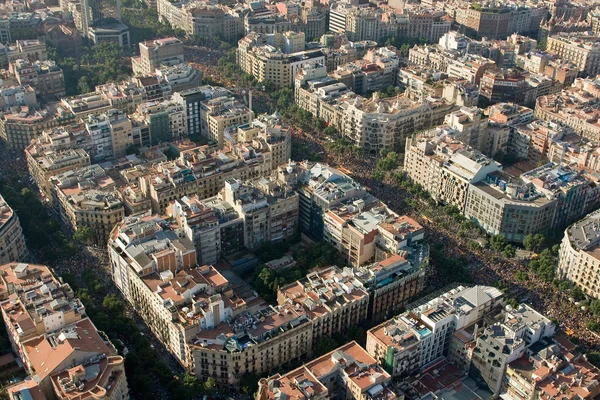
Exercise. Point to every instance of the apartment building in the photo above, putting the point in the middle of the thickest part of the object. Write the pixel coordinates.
(365, 230)
(179, 77)
(497, 21)
(58, 150)
(44, 76)
(99, 129)
(470, 126)
(537, 139)
(582, 50)
(166, 120)
(83, 364)
(542, 370)
(201, 226)
(445, 167)
(320, 188)
(375, 72)
(218, 114)
(190, 99)
(32, 50)
(392, 281)
(288, 42)
(578, 261)
(193, 309)
(209, 21)
(60, 347)
(268, 208)
(423, 334)
(12, 241)
(201, 171)
(35, 302)
(231, 226)
(498, 86)
(375, 124)
(333, 300)
(575, 108)
(22, 124)
(267, 63)
(282, 335)
(520, 329)
(268, 133)
(87, 197)
(346, 372)
(548, 197)
(153, 54)
(13, 96)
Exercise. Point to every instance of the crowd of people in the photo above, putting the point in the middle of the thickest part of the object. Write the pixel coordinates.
(486, 266)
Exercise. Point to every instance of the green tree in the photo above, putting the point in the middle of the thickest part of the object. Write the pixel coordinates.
(320, 124)
(473, 245)
(210, 384)
(325, 345)
(509, 251)
(545, 265)
(249, 383)
(84, 234)
(521, 276)
(542, 44)
(498, 242)
(535, 242)
(83, 85)
(113, 304)
(595, 307)
(593, 325)
(594, 358)
(330, 131)
(389, 162)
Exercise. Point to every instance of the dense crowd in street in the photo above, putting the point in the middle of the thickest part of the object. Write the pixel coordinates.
(486, 266)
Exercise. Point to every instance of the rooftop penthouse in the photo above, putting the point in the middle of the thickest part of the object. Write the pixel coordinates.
(350, 364)
(322, 292)
(585, 234)
(381, 273)
(34, 301)
(88, 188)
(248, 329)
(193, 296)
(552, 368)
(461, 302)
(147, 244)
(552, 180)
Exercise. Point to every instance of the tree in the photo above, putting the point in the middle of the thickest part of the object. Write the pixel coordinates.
(84, 234)
(390, 162)
(320, 124)
(594, 358)
(522, 276)
(210, 384)
(83, 85)
(249, 383)
(535, 242)
(509, 251)
(325, 345)
(595, 307)
(498, 242)
(542, 44)
(473, 245)
(593, 325)
(330, 131)
(113, 304)
(545, 265)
